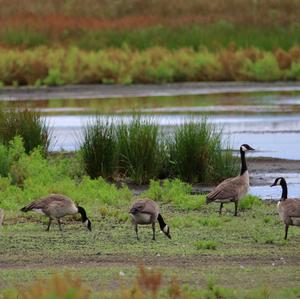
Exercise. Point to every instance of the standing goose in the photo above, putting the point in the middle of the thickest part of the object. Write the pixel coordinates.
(56, 206)
(288, 209)
(146, 211)
(232, 189)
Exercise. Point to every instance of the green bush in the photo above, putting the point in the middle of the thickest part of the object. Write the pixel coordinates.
(265, 69)
(140, 150)
(29, 125)
(99, 149)
(196, 153)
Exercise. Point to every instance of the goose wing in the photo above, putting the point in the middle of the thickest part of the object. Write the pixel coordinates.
(228, 190)
(143, 206)
(46, 202)
(292, 207)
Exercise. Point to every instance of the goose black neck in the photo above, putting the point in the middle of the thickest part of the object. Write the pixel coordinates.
(82, 211)
(243, 160)
(284, 189)
(161, 222)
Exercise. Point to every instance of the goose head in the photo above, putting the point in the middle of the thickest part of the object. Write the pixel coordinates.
(166, 231)
(279, 182)
(246, 147)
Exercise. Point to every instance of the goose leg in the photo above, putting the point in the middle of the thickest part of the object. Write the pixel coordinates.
(153, 230)
(286, 231)
(136, 231)
(221, 207)
(236, 207)
(59, 224)
(49, 223)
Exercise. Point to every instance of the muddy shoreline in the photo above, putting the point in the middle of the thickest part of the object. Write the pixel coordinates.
(257, 168)
(101, 91)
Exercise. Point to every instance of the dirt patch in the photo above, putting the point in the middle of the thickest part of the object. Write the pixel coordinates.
(118, 260)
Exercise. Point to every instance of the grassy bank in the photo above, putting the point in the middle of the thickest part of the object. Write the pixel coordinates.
(245, 256)
(59, 66)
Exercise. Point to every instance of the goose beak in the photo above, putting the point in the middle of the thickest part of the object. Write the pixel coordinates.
(273, 185)
(89, 225)
(251, 148)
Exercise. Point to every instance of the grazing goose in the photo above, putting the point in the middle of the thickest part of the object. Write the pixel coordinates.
(232, 189)
(288, 209)
(145, 211)
(56, 206)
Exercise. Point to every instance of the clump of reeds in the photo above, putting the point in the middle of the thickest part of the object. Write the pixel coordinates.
(137, 151)
(140, 150)
(99, 148)
(29, 125)
(196, 153)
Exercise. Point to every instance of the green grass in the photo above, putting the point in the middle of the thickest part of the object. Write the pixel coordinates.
(227, 253)
(214, 36)
(241, 254)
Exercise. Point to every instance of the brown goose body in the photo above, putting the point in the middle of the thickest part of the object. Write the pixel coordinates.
(232, 189)
(146, 211)
(56, 206)
(288, 209)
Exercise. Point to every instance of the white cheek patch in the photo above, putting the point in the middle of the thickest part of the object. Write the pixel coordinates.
(165, 229)
(39, 211)
(86, 222)
(243, 148)
(278, 182)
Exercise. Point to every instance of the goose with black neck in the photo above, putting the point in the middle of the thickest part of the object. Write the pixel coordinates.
(56, 206)
(235, 188)
(288, 209)
(146, 211)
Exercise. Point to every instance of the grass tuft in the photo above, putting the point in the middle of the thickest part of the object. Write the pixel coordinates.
(196, 153)
(209, 245)
(29, 125)
(140, 151)
(99, 149)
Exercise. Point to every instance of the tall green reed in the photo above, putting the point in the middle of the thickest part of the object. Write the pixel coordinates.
(99, 148)
(196, 153)
(140, 150)
(29, 125)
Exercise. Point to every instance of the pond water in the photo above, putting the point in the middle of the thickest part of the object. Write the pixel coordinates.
(268, 121)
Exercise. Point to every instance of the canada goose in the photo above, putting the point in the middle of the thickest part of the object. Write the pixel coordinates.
(56, 206)
(288, 209)
(146, 211)
(232, 189)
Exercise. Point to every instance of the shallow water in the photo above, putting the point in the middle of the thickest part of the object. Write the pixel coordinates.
(274, 193)
(270, 122)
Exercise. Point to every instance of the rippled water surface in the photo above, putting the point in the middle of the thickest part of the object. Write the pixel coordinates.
(268, 121)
